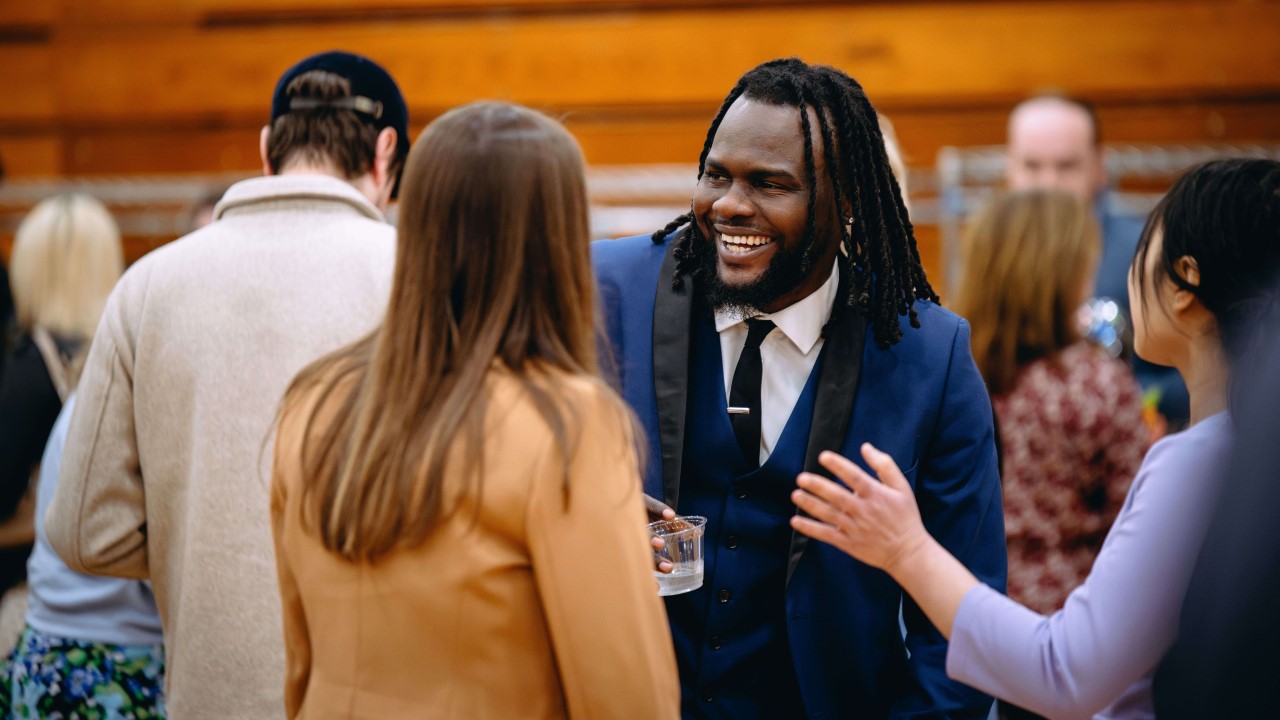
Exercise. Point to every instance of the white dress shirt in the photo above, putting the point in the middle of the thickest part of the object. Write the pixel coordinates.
(786, 358)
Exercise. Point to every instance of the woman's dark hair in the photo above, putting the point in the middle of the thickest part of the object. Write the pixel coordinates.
(885, 273)
(1224, 214)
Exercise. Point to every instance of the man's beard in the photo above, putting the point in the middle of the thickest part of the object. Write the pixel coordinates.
(786, 271)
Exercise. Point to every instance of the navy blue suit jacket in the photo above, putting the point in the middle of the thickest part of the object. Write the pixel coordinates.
(921, 400)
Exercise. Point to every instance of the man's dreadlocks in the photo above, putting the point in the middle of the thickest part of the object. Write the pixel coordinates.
(885, 276)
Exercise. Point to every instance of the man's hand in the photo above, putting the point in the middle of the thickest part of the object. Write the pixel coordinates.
(658, 510)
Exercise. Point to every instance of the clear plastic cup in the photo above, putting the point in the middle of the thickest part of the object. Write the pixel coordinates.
(683, 538)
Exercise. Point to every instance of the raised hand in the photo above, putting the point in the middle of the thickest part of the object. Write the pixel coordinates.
(876, 522)
(879, 524)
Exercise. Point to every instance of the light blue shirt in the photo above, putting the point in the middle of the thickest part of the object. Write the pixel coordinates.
(1096, 656)
(66, 604)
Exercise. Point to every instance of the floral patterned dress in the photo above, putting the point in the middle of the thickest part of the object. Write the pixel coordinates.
(1073, 438)
(50, 677)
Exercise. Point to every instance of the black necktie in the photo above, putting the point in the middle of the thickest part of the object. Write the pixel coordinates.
(744, 394)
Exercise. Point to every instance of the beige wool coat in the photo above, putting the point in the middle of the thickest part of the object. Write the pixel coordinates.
(167, 467)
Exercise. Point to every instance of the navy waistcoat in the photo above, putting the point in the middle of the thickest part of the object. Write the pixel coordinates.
(731, 635)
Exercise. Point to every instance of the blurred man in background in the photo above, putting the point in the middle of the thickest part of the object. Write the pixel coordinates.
(1055, 142)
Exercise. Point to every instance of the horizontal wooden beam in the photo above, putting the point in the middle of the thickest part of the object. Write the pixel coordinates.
(29, 84)
(32, 155)
(910, 54)
(608, 138)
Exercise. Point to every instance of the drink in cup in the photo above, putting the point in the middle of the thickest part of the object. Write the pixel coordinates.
(683, 538)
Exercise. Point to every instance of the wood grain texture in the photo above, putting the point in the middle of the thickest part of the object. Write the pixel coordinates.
(926, 54)
(126, 87)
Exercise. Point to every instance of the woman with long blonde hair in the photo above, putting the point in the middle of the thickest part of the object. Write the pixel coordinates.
(456, 498)
(1070, 417)
(66, 258)
(88, 642)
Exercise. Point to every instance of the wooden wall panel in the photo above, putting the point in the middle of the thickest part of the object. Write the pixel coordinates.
(245, 10)
(28, 84)
(131, 87)
(146, 151)
(22, 14)
(32, 155)
(121, 87)
(926, 54)
(617, 138)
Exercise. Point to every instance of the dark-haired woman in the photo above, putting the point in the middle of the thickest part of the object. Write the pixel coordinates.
(456, 498)
(1206, 261)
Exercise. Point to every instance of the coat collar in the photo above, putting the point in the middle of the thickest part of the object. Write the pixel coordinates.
(837, 392)
(672, 312)
(307, 189)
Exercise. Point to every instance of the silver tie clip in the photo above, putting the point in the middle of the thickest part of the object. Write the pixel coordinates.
(739, 410)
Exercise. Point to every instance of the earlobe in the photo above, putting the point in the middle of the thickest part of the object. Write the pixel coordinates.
(1183, 300)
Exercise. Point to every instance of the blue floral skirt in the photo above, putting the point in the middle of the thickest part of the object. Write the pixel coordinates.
(52, 677)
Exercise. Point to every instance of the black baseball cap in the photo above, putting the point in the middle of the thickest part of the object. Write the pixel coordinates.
(375, 96)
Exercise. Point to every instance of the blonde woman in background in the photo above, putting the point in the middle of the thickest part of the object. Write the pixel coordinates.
(456, 498)
(1070, 417)
(66, 258)
(90, 644)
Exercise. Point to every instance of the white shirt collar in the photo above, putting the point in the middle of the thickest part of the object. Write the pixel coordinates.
(801, 322)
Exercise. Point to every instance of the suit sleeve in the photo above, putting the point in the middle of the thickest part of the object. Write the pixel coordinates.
(97, 521)
(594, 576)
(297, 641)
(958, 491)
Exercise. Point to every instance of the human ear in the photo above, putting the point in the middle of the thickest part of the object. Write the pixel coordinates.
(1189, 270)
(263, 137)
(384, 150)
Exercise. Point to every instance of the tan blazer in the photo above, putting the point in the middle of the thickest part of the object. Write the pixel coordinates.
(165, 474)
(520, 608)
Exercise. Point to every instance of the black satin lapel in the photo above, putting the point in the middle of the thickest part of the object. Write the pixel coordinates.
(671, 316)
(837, 391)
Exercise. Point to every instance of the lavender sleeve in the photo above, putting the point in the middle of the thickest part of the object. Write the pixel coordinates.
(1102, 646)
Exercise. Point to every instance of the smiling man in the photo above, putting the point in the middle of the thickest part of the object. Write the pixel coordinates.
(762, 328)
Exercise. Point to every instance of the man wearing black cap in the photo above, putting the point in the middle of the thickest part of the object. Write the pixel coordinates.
(165, 474)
